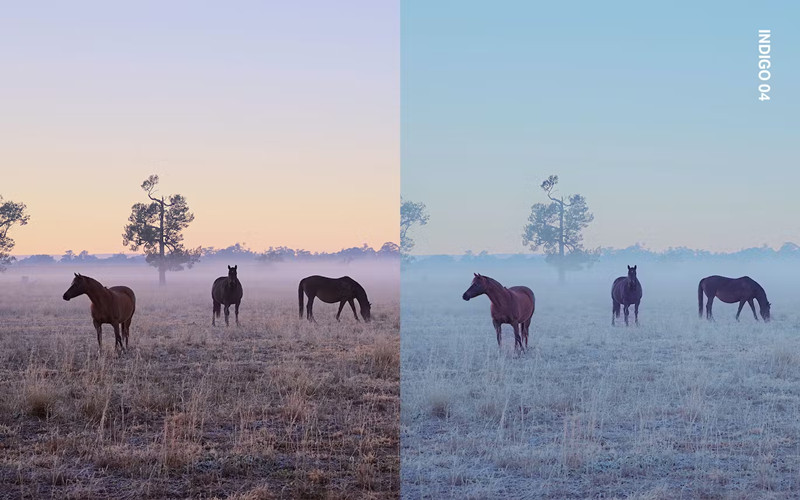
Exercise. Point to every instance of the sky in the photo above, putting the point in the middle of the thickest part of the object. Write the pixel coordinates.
(278, 121)
(648, 110)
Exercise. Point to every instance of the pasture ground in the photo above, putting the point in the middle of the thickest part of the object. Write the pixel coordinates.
(278, 408)
(676, 408)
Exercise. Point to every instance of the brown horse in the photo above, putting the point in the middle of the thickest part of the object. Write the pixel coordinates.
(226, 291)
(342, 290)
(114, 305)
(730, 290)
(626, 291)
(513, 306)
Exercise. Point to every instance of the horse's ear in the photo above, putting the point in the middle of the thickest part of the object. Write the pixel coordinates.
(234, 267)
(475, 274)
(229, 268)
(76, 275)
(634, 268)
(629, 268)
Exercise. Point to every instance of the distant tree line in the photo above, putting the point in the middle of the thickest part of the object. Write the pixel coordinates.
(632, 255)
(233, 253)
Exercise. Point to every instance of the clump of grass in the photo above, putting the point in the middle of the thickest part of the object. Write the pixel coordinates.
(785, 362)
(384, 360)
(39, 395)
(439, 403)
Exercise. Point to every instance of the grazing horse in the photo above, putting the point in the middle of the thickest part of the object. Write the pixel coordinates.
(730, 290)
(113, 305)
(514, 306)
(342, 290)
(225, 291)
(625, 291)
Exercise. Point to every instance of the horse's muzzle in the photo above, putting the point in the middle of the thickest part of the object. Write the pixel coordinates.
(465, 296)
(65, 297)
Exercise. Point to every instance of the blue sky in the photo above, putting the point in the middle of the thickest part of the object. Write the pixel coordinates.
(650, 111)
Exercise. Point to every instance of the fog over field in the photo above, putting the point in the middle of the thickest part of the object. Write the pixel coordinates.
(678, 407)
(276, 408)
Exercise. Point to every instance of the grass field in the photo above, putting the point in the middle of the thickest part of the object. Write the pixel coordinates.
(676, 408)
(278, 408)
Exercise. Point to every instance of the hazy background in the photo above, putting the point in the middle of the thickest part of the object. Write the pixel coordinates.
(277, 121)
(649, 111)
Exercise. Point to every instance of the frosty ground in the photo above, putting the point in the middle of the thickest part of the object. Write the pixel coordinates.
(675, 408)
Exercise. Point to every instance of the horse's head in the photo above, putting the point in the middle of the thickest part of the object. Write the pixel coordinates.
(232, 274)
(632, 273)
(478, 287)
(366, 307)
(78, 287)
(764, 310)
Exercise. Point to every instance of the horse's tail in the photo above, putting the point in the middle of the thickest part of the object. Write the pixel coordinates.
(300, 297)
(700, 297)
(217, 309)
(615, 308)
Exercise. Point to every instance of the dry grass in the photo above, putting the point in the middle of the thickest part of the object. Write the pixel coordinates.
(278, 408)
(676, 408)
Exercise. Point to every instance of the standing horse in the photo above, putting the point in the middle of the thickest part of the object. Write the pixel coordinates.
(114, 305)
(625, 291)
(225, 291)
(730, 290)
(342, 290)
(513, 306)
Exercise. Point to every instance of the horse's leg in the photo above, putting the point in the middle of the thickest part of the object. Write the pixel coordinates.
(497, 328)
(526, 328)
(309, 308)
(353, 307)
(614, 310)
(236, 310)
(753, 307)
(341, 306)
(214, 309)
(99, 328)
(627, 313)
(117, 338)
(636, 312)
(227, 314)
(126, 330)
(517, 338)
(741, 305)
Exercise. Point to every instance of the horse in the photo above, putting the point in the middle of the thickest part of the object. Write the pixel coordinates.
(730, 290)
(114, 305)
(514, 306)
(225, 291)
(342, 290)
(625, 291)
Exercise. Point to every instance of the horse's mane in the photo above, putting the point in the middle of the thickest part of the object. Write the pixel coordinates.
(499, 287)
(760, 293)
(91, 280)
(361, 294)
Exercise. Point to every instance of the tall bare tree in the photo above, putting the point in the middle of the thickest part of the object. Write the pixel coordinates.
(556, 227)
(157, 227)
(11, 214)
(411, 213)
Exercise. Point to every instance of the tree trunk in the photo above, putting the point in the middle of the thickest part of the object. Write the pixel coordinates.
(561, 271)
(162, 271)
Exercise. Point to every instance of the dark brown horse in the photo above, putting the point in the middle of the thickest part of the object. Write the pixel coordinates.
(113, 305)
(513, 306)
(342, 290)
(226, 291)
(625, 291)
(730, 290)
